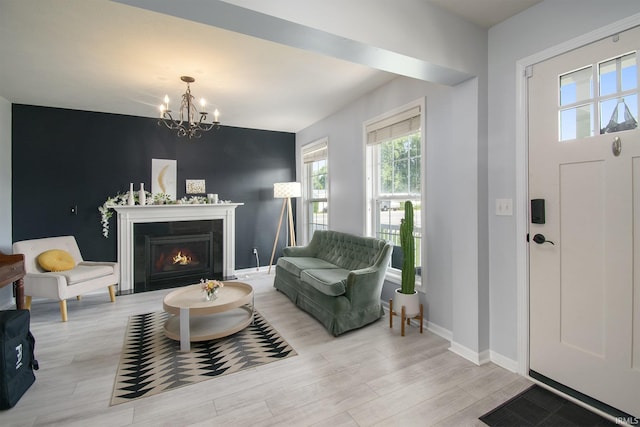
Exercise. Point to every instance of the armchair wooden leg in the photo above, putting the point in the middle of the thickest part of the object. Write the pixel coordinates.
(27, 302)
(78, 297)
(391, 313)
(63, 310)
(112, 293)
(404, 316)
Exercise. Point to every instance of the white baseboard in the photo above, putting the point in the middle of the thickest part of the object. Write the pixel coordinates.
(439, 330)
(472, 356)
(504, 362)
(430, 326)
(253, 270)
(485, 356)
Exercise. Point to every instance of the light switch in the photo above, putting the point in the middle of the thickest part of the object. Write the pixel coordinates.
(504, 207)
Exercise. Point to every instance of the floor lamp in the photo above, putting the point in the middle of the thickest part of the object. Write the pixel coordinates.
(285, 191)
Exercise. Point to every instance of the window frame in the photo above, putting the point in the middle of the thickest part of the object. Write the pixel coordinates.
(307, 201)
(372, 214)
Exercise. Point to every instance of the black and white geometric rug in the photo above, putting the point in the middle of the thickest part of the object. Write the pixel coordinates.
(152, 363)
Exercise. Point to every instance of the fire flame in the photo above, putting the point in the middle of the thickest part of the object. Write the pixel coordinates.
(181, 259)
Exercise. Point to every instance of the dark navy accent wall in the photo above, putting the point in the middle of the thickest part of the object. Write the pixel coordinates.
(63, 158)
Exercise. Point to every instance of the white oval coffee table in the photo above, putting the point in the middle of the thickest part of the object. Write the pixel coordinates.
(195, 319)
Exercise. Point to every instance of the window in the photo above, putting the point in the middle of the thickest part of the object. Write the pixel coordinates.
(394, 175)
(615, 103)
(315, 187)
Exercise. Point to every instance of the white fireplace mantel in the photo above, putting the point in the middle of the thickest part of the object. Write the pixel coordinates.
(130, 215)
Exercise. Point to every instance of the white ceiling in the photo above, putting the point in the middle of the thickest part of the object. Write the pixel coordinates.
(485, 13)
(104, 56)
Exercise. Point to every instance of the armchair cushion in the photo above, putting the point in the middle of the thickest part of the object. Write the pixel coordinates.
(56, 260)
(83, 273)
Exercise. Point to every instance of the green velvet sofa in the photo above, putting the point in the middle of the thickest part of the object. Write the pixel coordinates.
(337, 278)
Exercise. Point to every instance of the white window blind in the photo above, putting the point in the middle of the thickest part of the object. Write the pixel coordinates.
(396, 126)
(314, 152)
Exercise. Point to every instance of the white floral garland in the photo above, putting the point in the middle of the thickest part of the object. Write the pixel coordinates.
(122, 199)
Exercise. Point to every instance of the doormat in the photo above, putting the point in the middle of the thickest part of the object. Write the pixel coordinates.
(537, 406)
(152, 363)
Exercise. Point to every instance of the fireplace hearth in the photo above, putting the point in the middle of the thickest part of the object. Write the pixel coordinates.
(171, 254)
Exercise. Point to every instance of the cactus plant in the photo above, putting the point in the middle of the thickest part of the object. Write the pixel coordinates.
(407, 243)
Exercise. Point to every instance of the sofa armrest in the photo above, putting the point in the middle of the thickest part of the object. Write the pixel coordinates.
(364, 286)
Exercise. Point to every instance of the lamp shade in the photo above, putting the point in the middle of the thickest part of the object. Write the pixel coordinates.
(283, 190)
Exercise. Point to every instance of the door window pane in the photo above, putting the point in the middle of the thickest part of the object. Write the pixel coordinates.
(576, 122)
(618, 114)
(614, 108)
(576, 86)
(618, 75)
(618, 86)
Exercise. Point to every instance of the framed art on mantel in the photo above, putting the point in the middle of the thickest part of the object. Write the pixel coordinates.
(164, 177)
(195, 186)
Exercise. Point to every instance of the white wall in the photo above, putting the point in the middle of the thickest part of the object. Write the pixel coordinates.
(541, 27)
(456, 208)
(450, 212)
(6, 295)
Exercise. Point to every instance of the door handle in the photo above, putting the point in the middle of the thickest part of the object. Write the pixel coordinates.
(540, 239)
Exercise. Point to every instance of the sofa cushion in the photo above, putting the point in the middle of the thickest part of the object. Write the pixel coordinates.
(329, 281)
(56, 260)
(82, 273)
(295, 265)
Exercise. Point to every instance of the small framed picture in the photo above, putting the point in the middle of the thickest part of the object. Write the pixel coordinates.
(195, 186)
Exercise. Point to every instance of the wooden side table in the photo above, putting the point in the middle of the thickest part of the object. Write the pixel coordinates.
(12, 271)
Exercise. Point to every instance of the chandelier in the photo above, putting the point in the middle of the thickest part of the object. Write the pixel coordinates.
(188, 124)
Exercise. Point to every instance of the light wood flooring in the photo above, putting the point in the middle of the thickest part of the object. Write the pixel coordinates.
(368, 377)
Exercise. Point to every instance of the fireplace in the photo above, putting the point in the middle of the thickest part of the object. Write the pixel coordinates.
(168, 257)
(170, 254)
(131, 248)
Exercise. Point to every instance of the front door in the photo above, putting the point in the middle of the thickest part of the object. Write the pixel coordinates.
(584, 162)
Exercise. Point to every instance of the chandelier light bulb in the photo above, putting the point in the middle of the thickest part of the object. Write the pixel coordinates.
(203, 103)
(166, 100)
(216, 115)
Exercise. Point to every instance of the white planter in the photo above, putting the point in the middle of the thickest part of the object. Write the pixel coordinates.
(411, 303)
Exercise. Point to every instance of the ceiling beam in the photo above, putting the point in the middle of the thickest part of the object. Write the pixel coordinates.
(245, 21)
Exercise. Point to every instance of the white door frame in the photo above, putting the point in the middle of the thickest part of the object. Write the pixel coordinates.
(522, 162)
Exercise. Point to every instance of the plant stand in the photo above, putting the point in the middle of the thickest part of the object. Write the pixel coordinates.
(403, 316)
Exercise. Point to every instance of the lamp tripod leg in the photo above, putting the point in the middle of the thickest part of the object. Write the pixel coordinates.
(275, 242)
(292, 232)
